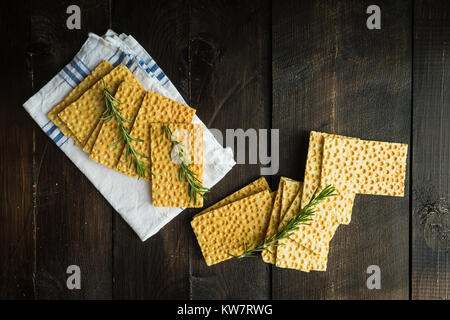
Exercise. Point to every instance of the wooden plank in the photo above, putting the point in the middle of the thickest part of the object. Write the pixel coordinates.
(230, 86)
(159, 267)
(332, 74)
(16, 205)
(431, 132)
(73, 221)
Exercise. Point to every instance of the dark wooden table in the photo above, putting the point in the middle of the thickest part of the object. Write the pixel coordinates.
(293, 65)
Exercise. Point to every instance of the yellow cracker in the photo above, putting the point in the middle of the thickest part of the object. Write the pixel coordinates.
(83, 115)
(252, 188)
(290, 190)
(293, 209)
(223, 231)
(155, 108)
(131, 95)
(320, 231)
(313, 176)
(368, 167)
(100, 71)
(291, 254)
(167, 189)
(269, 256)
(91, 140)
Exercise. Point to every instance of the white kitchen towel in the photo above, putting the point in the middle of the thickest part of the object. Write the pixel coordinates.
(130, 197)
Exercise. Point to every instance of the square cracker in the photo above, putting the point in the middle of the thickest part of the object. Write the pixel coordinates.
(256, 186)
(99, 72)
(82, 115)
(155, 108)
(167, 189)
(105, 149)
(362, 166)
(224, 231)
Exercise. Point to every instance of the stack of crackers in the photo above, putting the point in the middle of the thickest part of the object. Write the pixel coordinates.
(350, 165)
(80, 117)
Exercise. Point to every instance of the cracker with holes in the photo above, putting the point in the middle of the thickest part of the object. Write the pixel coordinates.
(177, 164)
(222, 232)
(155, 108)
(287, 191)
(83, 115)
(256, 186)
(109, 143)
(99, 72)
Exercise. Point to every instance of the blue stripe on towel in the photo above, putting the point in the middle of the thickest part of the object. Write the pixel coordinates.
(160, 76)
(46, 124)
(113, 54)
(79, 70)
(130, 63)
(58, 137)
(120, 59)
(50, 131)
(154, 68)
(81, 61)
(59, 74)
(71, 75)
(64, 142)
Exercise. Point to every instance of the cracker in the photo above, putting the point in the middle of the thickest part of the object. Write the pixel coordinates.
(367, 167)
(287, 189)
(155, 108)
(269, 256)
(290, 190)
(82, 116)
(223, 231)
(293, 255)
(99, 72)
(320, 231)
(313, 176)
(105, 150)
(91, 140)
(167, 189)
(252, 188)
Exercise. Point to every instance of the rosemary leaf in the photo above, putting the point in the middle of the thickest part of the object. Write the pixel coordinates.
(113, 111)
(302, 218)
(194, 184)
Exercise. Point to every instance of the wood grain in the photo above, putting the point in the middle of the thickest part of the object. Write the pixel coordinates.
(16, 160)
(73, 221)
(290, 65)
(431, 162)
(230, 87)
(332, 74)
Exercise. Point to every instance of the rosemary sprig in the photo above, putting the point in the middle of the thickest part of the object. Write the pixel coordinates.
(112, 111)
(302, 217)
(194, 184)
